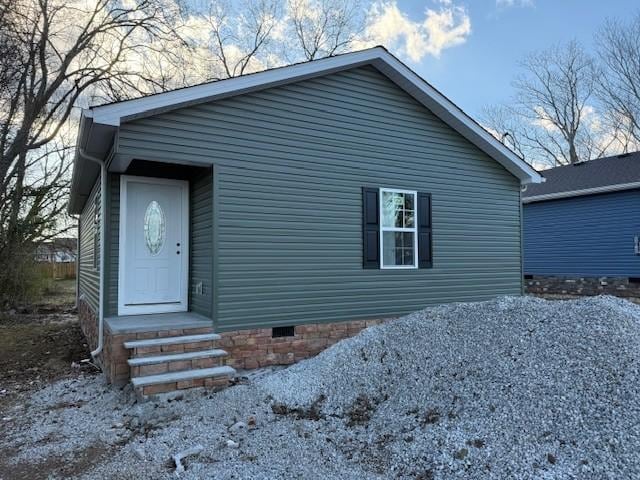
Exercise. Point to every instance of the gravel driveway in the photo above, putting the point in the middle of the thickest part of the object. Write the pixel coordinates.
(513, 388)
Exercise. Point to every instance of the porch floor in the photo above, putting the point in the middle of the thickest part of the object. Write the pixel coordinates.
(154, 322)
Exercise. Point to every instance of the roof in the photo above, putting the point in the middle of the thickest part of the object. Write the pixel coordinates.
(61, 243)
(99, 124)
(607, 174)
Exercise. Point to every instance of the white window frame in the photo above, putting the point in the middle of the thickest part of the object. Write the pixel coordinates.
(413, 230)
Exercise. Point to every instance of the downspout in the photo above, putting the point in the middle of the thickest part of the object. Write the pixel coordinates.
(103, 208)
(78, 263)
(523, 289)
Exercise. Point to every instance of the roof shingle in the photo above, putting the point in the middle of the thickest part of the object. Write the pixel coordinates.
(599, 173)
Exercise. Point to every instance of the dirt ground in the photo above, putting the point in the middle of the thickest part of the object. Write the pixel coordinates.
(41, 343)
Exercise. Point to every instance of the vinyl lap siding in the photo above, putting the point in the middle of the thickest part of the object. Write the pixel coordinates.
(583, 236)
(113, 235)
(88, 275)
(201, 248)
(291, 162)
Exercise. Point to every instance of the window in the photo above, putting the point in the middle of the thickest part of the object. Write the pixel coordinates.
(398, 231)
(154, 227)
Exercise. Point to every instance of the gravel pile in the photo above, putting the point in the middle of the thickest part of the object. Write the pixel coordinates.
(512, 388)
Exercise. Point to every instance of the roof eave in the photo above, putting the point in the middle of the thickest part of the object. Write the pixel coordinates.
(95, 139)
(583, 192)
(75, 201)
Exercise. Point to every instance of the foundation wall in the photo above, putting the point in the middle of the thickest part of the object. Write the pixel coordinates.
(257, 348)
(247, 349)
(583, 286)
(88, 320)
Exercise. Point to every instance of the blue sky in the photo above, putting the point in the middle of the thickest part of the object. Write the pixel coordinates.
(479, 72)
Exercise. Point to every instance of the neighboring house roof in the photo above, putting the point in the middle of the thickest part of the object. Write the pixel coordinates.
(99, 124)
(57, 249)
(64, 243)
(608, 174)
(67, 244)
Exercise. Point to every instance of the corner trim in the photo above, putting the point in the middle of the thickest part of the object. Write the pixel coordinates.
(215, 185)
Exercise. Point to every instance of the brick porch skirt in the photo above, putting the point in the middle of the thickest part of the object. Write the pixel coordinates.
(89, 325)
(248, 349)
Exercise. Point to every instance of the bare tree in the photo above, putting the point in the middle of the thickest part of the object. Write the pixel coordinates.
(56, 52)
(323, 28)
(551, 118)
(619, 86)
(241, 33)
(250, 35)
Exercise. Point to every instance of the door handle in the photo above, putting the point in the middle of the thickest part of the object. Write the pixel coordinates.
(178, 252)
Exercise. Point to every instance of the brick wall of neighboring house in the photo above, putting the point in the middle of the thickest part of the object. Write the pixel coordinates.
(579, 286)
(256, 348)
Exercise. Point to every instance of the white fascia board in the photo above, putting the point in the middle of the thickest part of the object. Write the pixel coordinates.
(581, 193)
(398, 72)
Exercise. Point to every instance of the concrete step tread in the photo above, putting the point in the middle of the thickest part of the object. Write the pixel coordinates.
(194, 374)
(175, 357)
(155, 342)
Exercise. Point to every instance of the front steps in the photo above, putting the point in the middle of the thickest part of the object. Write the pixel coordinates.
(176, 362)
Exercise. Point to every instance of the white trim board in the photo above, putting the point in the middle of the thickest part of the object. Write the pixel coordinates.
(581, 193)
(182, 306)
(116, 113)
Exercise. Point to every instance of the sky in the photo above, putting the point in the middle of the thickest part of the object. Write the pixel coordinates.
(476, 67)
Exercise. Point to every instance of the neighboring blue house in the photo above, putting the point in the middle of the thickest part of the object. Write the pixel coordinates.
(583, 224)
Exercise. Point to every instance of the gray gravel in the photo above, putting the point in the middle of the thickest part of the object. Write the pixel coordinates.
(512, 388)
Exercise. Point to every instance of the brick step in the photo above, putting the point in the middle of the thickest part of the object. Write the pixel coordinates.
(159, 342)
(167, 382)
(176, 357)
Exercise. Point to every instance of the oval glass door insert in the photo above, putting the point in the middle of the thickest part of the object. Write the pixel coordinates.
(154, 227)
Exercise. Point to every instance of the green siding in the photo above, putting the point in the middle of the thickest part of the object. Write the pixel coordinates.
(88, 271)
(201, 245)
(290, 165)
(113, 235)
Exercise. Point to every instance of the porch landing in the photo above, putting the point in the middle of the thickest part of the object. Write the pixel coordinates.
(155, 322)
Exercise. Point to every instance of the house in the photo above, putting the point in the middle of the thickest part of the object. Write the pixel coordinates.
(259, 219)
(582, 229)
(57, 250)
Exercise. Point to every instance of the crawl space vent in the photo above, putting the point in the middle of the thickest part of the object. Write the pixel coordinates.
(277, 332)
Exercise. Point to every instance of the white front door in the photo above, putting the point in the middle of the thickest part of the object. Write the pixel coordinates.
(153, 245)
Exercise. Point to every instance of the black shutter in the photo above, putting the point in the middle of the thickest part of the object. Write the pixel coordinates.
(370, 228)
(424, 231)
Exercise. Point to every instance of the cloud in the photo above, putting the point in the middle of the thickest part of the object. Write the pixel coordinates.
(445, 27)
(514, 3)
